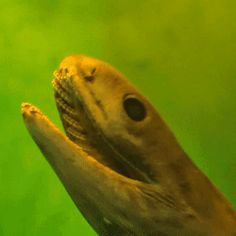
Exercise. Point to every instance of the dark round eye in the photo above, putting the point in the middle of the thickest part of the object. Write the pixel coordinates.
(134, 108)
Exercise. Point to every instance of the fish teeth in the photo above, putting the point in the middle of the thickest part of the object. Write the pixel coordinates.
(61, 92)
(76, 135)
(62, 78)
(69, 115)
(66, 107)
(70, 121)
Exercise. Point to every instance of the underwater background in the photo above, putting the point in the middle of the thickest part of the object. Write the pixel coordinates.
(180, 54)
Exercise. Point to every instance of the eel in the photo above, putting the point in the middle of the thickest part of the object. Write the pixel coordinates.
(119, 161)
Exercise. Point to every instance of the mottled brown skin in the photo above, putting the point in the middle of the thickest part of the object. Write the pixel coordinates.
(127, 177)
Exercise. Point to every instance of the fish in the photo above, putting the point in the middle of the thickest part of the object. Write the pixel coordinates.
(120, 162)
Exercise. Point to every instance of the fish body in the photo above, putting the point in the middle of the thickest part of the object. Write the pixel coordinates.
(119, 161)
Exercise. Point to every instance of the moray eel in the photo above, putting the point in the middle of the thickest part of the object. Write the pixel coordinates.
(119, 161)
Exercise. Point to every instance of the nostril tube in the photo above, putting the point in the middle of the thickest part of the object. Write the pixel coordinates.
(90, 77)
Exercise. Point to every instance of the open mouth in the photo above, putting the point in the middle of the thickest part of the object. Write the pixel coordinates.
(80, 129)
(75, 120)
(77, 124)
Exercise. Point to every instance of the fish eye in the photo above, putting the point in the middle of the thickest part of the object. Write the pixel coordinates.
(134, 108)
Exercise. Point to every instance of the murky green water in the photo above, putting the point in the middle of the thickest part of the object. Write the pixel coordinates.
(181, 54)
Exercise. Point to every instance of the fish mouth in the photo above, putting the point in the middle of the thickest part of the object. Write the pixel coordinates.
(76, 122)
(81, 128)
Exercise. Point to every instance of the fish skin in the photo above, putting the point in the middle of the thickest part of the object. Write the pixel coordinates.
(167, 200)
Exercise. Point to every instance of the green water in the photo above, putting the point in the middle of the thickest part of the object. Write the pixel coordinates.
(181, 54)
